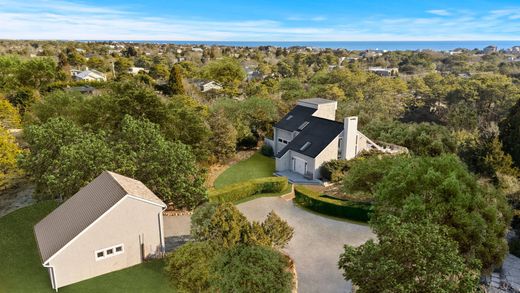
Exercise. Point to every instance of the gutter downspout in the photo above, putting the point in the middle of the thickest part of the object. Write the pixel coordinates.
(53, 278)
(161, 231)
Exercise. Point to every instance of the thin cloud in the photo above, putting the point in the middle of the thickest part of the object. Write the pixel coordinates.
(439, 12)
(60, 19)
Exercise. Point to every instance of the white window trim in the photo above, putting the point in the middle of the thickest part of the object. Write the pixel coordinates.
(114, 252)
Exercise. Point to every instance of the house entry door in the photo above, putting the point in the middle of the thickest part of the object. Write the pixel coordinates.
(300, 166)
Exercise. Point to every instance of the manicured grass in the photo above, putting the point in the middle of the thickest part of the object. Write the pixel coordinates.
(257, 166)
(21, 269)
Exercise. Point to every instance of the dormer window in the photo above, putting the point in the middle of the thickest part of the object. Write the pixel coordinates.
(305, 146)
(304, 124)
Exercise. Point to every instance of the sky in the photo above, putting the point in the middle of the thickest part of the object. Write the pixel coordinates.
(267, 20)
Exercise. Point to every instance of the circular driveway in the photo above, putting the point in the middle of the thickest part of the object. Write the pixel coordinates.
(315, 247)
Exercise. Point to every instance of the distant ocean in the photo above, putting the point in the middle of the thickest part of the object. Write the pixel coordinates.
(358, 45)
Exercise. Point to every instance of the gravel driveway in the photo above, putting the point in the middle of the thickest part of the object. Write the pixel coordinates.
(315, 247)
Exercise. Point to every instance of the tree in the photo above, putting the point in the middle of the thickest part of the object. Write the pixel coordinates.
(441, 190)
(55, 149)
(510, 133)
(22, 98)
(223, 138)
(175, 85)
(189, 267)
(252, 269)
(201, 221)
(365, 174)
(408, 257)
(36, 73)
(168, 168)
(277, 230)
(423, 139)
(227, 71)
(9, 117)
(9, 151)
(122, 65)
(227, 226)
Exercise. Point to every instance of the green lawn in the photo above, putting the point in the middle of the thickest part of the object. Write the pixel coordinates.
(21, 269)
(257, 166)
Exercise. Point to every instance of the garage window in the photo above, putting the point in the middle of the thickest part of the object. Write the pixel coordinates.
(109, 252)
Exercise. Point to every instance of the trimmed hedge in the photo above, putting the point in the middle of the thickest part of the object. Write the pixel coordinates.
(248, 188)
(332, 206)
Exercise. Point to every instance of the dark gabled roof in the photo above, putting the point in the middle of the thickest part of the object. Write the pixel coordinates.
(319, 133)
(299, 115)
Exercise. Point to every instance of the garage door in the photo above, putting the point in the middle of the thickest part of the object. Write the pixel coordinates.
(299, 166)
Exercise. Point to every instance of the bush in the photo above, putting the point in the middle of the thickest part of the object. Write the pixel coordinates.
(252, 269)
(267, 150)
(277, 230)
(201, 220)
(189, 267)
(334, 170)
(248, 188)
(365, 174)
(332, 206)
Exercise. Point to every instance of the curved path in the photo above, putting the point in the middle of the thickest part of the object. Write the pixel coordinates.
(315, 248)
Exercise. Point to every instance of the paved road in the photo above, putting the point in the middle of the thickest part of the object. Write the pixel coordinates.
(315, 248)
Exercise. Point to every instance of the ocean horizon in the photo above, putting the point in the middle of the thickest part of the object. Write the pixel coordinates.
(349, 45)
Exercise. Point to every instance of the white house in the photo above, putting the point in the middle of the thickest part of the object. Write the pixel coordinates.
(136, 70)
(309, 136)
(206, 86)
(112, 223)
(384, 71)
(88, 75)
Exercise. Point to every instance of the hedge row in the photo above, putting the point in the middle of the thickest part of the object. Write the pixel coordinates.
(248, 188)
(332, 206)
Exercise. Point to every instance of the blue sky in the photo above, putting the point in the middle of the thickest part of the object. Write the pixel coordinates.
(266, 20)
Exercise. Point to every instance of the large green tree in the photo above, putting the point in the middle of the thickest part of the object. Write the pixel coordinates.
(441, 190)
(175, 86)
(408, 258)
(510, 133)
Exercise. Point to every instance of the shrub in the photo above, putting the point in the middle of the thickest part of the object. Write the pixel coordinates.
(227, 225)
(277, 230)
(201, 220)
(248, 188)
(332, 206)
(189, 267)
(365, 174)
(252, 269)
(267, 150)
(334, 170)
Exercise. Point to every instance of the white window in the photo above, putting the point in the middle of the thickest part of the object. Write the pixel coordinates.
(109, 252)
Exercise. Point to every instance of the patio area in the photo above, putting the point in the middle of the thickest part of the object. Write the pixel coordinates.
(296, 178)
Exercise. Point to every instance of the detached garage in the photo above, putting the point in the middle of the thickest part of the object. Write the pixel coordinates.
(112, 223)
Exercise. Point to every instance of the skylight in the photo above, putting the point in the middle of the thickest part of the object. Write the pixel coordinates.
(289, 117)
(305, 146)
(303, 125)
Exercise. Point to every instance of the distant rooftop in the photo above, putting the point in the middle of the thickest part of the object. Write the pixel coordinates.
(317, 101)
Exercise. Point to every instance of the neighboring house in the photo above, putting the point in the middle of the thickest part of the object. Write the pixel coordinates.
(85, 89)
(206, 86)
(384, 71)
(112, 223)
(253, 73)
(309, 136)
(490, 49)
(88, 75)
(136, 70)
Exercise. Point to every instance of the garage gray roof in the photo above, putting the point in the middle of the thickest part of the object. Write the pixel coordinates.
(83, 208)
